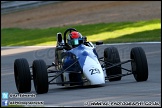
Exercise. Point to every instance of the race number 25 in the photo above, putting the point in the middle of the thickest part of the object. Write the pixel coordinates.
(94, 71)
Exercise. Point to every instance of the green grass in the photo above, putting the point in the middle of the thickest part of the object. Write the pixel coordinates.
(149, 30)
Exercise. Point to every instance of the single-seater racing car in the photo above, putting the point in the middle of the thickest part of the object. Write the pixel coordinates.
(77, 64)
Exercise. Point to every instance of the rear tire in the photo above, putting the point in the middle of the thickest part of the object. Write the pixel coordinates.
(139, 64)
(40, 76)
(111, 55)
(22, 75)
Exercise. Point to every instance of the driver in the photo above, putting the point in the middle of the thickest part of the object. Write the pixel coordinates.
(75, 39)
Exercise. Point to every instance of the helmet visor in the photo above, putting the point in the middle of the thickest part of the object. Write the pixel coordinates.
(74, 42)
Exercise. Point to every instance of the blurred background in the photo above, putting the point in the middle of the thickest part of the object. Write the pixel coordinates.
(45, 14)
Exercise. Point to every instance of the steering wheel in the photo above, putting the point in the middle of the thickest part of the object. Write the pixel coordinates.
(68, 30)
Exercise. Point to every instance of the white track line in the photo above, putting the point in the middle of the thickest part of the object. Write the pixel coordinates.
(134, 43)
(103, 44)
(28, 46)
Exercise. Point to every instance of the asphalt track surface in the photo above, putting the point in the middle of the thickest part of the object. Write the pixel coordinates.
(116, 93)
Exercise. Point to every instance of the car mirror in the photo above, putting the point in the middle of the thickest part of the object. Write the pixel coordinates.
(99, 42)
(59, 37)
(84, 38)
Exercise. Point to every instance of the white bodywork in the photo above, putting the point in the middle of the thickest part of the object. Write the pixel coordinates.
(93, 71)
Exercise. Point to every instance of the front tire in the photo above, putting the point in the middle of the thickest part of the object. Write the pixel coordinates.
(22, 75)
(139, 64)
(40, 76)
(111, 55)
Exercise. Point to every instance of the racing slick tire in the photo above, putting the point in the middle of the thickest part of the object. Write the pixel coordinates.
(40, 76)
(111, 55)
(22, 75)
(139, 64)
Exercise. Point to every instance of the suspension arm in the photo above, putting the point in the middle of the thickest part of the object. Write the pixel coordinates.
(63, 71)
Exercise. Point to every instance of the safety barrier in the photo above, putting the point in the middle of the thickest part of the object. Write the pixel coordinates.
(12, 6)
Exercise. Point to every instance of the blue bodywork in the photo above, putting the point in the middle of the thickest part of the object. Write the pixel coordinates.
(80, 53)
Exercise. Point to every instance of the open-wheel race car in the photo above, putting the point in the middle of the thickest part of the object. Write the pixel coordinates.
(77, 64)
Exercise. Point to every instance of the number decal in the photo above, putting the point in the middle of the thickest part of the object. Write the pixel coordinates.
(94, 71)
(91, 70)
